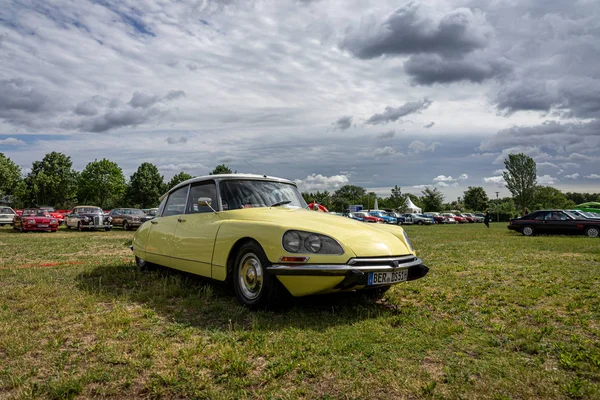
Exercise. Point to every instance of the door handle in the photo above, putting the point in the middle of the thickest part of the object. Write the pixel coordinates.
(153, 222)
(180, 219)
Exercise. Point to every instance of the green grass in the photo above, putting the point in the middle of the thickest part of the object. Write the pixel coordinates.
(499, 316)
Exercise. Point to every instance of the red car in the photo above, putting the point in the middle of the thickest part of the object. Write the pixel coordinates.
(35, 219)
(368, 218)
(54, 213)
(469, 218)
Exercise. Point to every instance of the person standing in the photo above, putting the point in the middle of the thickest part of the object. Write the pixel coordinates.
(487, 217)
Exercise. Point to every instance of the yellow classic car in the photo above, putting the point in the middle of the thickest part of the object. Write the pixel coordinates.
(257, 232)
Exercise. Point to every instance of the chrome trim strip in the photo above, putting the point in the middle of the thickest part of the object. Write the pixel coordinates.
(409, 257)
(342, 268)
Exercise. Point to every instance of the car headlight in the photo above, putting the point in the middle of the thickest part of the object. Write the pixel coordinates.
(407, 240)
(86, 219)
(308, 242)
(109, 219)
(52, 221)
(30, 221)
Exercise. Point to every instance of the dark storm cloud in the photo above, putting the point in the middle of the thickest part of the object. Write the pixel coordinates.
(429, 125)
(343, 123)
(15, 94)
(430, 69)
(86, 108)
(408, 31)
(174, 95)
(530, 96)
(114, 119)
(392, 114)
(387, 135)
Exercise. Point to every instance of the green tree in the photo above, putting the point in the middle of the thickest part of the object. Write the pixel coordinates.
(52, 181)
(101, 183)
(145, 186)
(521, 179)
(10, 176)
(396, 201)
(347, 195)
(549, 197)
(221, 169)
(475, 199)
(180, 177)
(432, 199)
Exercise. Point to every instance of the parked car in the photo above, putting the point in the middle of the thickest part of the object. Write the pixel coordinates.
(151, 212)
(54, 214)
(470, 218)
(7, 215)
(584, 214)
(88, 217)
(386, 218)
(421, 219)
(443, 219)
(368, 217)
(355, 217)
(35, 219)
(480, 216)
(408, 219)
(128, 218)
(554, 222)
(457, 218)
(256, 232)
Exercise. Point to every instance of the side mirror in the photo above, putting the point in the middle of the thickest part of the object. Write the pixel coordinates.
(204, 201)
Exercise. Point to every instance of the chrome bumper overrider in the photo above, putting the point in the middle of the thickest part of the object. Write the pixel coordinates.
(356, 271)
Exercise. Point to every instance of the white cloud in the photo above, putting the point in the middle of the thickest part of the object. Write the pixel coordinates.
(546, 180)
(385, 151)
(497, 181)
(11, 142)
(572, 176)
(593, 176)
(443, 178)
(320, 182)
(182, 167)
(416, 147)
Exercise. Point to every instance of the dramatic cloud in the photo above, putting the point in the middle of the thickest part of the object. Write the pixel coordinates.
(343, 123)
(414, 29)
(319, 182)
(392, 114)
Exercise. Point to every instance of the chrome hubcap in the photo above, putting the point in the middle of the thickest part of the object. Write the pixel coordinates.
(593, 232)
(527, 231)
(250, 276)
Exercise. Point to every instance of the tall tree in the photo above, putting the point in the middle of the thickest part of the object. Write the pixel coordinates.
(52, 181)
(101, 183)
(432, 199)
(396, 200)
(180, 177)
(475, 199)
(145, 186)
(10, 176)
(221, 169)
(521, 179)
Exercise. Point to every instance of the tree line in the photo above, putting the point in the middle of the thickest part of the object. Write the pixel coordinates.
(53, 181)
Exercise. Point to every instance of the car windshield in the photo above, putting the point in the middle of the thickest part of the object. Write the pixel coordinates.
(570, 215)
(49, 209)
(6, 210)
(88, 210)
(134, 212)
(36, 213)
(236, 194)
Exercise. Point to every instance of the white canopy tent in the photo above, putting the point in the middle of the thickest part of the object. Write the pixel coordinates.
(410, 206)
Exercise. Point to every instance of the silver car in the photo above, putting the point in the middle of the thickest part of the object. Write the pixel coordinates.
(7, 215)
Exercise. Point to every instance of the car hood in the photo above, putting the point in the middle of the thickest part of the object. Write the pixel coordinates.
(363, 239)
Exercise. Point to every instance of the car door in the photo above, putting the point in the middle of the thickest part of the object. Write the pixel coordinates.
(162, 229)
(196, 232)
(117, 217)
(559, 222)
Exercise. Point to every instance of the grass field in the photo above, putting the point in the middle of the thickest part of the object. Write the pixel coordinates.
(499, 316)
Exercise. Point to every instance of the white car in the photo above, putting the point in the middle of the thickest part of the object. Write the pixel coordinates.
(7, 215)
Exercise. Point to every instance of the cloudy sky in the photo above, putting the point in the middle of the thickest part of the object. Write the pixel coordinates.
(325, 92)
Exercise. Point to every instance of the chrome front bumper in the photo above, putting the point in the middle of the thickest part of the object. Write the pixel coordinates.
(357, 270)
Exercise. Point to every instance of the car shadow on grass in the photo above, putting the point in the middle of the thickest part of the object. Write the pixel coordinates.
(194, 301)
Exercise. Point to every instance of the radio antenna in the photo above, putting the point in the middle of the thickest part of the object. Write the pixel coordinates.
(254, 168)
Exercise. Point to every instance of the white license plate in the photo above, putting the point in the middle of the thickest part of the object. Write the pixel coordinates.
(42, 225)
(385, 278)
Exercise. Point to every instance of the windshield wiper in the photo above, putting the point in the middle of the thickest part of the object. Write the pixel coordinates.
(280, 203)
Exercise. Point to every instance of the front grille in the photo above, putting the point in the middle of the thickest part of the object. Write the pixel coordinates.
(393, 261)
(97, 220)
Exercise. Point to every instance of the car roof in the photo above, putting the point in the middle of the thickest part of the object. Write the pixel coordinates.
(224, 177)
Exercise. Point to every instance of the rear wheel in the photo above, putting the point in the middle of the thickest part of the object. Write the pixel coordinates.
(528, 230)
(253, 284)
(79, 226)
(592, 231)
(420, 223)
(126, 225)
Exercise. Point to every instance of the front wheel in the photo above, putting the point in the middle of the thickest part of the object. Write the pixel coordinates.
(126, 225)
(253, 285)
(420, 223)
(528, 230)
(79, 226)
(592, 232)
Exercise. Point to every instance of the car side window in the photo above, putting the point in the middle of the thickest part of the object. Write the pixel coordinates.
(204, 189)
(176, 202)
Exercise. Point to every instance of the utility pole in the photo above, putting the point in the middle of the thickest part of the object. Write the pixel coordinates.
(497, 212)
